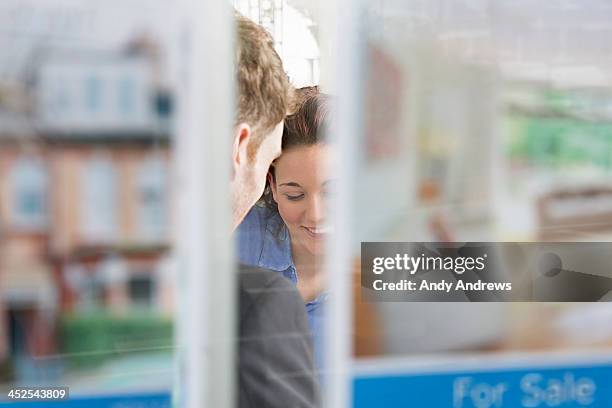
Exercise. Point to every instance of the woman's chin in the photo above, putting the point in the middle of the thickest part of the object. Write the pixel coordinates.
(312, 246)
(317, 248)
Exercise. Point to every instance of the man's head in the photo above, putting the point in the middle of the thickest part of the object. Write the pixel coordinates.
(263, 99)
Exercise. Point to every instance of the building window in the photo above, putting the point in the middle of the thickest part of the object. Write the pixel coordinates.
(92, 293)
(99, 215)
(29, 193)
(152, 198)
(127, 95)
(88, 285)
(141, 290)
(93, 94)
(58, 103)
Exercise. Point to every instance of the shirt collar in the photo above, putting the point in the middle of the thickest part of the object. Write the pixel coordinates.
(315, 303)
(276, 250)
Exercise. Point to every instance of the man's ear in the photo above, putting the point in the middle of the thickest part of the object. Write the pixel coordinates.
(272, 183)
(242, 137)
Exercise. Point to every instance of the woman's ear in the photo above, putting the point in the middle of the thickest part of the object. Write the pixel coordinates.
(242, 136)
(272, 183)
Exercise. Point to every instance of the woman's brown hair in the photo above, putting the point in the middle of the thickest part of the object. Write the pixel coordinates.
(307, 126)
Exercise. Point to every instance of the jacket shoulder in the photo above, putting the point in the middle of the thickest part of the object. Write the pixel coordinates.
(258, 286)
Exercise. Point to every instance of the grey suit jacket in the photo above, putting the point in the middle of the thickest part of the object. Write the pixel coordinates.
(275, 361)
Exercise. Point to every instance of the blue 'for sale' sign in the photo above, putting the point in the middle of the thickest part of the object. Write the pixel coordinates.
(527, 387)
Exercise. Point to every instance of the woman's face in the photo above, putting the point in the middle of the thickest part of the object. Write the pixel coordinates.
(300, 189)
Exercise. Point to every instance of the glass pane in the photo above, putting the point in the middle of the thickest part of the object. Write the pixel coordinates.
(482, 123)
(86, 294)
(472, 150)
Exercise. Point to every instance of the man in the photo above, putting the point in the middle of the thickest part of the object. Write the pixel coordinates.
(275, 363)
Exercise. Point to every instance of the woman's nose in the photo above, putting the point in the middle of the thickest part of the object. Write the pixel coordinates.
(316, 210)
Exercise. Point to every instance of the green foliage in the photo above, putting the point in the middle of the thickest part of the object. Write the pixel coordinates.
(559, 142)
(89, 340)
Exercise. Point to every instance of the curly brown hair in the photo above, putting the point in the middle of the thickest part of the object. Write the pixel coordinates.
(264, 91)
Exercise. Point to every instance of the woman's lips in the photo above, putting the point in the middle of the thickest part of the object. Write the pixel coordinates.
(317, 232)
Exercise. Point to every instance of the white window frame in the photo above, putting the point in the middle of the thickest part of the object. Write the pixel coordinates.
(206, 329)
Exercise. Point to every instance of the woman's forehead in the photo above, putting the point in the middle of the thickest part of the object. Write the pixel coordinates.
(303, 157)
(304, 164)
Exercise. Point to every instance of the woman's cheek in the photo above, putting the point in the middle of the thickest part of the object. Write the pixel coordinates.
(290, 212)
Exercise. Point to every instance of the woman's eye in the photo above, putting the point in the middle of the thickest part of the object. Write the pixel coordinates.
(294, 197)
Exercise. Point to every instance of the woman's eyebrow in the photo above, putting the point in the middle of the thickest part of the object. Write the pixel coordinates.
(290, 184)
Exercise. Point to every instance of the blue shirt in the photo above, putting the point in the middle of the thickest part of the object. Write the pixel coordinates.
(264, 241)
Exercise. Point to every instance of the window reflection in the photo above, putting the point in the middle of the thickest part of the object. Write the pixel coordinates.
(152, 193)
(29, 193)
(99, 184)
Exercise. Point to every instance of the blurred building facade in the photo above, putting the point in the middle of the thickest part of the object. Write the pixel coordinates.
(84, 187)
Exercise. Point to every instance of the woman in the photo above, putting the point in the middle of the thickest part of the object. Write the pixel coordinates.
(286, 231)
